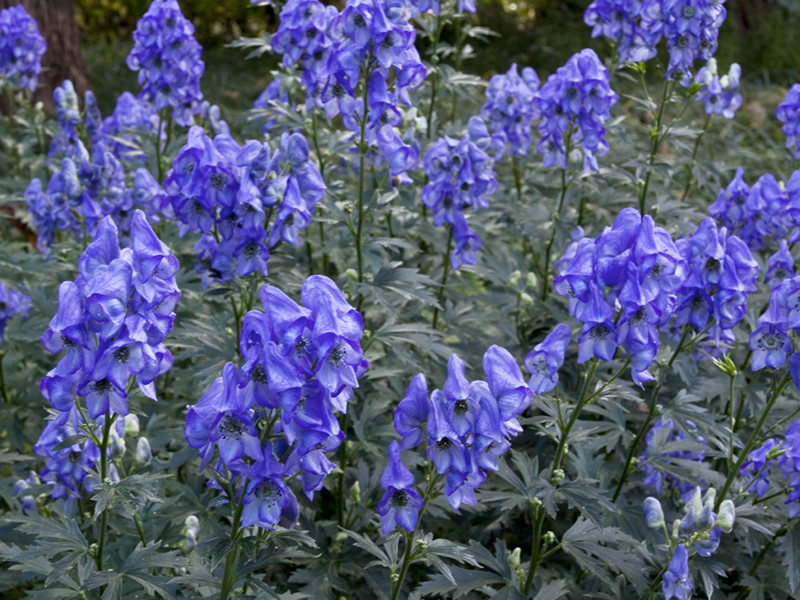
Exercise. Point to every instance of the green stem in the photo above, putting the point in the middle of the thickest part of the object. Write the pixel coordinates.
(3, 379)
(434, 78)
(139, 530)
(446, 267)
(632, 449)
(731, 417)
(656, 139)
(517, 177)
(342, 466)
(694, 156)
(409, 556)
(362, 148)
(561, 450)
(548, 249)
(158, 149)
(538, 514)
(782, 531)
(107, 423)
(232, 560)
(237, 320)
(754, 439)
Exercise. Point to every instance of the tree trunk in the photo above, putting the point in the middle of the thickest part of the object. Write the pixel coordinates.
(63, 59)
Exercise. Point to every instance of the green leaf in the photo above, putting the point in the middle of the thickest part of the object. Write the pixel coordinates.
(789, 545)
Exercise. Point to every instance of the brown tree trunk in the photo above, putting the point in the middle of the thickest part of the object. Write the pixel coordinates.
(63, 59)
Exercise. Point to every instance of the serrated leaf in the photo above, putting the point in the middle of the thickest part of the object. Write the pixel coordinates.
(789, 546)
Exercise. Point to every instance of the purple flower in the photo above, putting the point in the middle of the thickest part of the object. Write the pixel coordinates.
(412, 413)
(267, 496)
(400, 504)
(168, 60)
(676, 582)
(546, 358)
(12, 303)
(21, 47)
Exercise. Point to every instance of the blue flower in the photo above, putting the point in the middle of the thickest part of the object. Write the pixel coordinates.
(12, 302)
(22, 47)
(676, 582)
(412, 413)
(267, 497)
(168, 60)
(400, 504)
(546, 358)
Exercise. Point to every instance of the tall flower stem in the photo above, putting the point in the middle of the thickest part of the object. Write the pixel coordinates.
(159, 168)
(232, 560)
(655, 136)
(561, 450)
(434, 78)
(3, 379)
(321, 160)
(690, 167)
(409, 554)
(446, 272)
(538, 515)
(637, 439)
(777, 390)
(549, 248)
(107, 423)
(517, 177)
(731, 417)
(362, 148)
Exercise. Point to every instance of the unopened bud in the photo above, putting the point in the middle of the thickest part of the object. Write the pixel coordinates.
(549, 537)
(532, 281)
(535, 503)
(514, 279)
(191, 523)
(653, 513)
(143, 452)
(727, 516)
(557, 476)
(189, 540)
(705, 520)
(117, 446)
(687, 524)
(725, 364)
(131, 425)
(355, 493)
(695, 502)
(514, 559)
(351, 274)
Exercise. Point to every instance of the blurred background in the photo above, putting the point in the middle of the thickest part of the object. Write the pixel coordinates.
(758, 34)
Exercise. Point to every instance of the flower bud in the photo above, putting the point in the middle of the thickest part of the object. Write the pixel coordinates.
(514, 559)
(532, 281)
(725, 364)
(117, 446)
(687, 524)
(189, 540)
(549, 537)
(727, 516)
(131, 425)
(653, 514)
(143, 453)
(695, 502)
(706, 518)
(515, 277)
(525, 298)
(355, 493)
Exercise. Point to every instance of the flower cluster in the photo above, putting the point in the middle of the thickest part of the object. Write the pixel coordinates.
(461, 175)
(229, 193)
(620, 21)
(762, 214)
(12, 302)
(306, 34)
(377, 35)
(168, 60)
(468, 425)
(721, 274)
(21, 47)
(691, 28)
(788, 455)
(574, 104)
(111, 324)
(85, 189)
(622, 286)
(509, 109)
(660, 436)
(68, 117)
(301, 365)
(719, 95)
(546, 358)
(124, 130)
(770, 342)
(788, 113)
